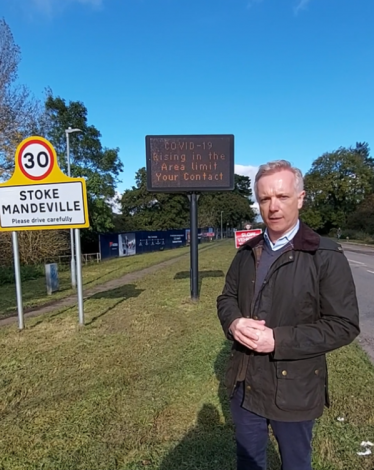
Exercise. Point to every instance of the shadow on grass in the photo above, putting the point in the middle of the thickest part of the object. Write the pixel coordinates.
(121, 293)
(202, 275)
(210, 445)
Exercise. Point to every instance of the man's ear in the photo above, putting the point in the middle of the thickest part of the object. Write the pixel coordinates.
(300, 199)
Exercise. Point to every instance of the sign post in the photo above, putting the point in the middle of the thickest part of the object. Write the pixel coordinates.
(190, 164)
(39, 196)
(17, 275)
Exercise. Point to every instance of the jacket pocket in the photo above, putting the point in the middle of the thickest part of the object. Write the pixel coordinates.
(232, 370)
(301, 384)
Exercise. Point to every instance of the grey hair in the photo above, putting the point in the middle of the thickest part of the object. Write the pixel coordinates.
(274, 167)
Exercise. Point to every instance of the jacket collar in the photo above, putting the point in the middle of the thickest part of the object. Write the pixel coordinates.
(305, 240)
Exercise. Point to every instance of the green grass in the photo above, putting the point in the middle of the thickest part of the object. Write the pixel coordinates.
(140, 386)
(34, 292)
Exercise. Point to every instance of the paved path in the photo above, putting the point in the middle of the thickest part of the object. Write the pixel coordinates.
(361, 260)
(72, 300)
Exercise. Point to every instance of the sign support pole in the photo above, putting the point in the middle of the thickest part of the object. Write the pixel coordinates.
(17, 275)
(194, 247)
(78, 257)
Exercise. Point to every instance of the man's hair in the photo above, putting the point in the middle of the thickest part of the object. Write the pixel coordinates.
(279, 165)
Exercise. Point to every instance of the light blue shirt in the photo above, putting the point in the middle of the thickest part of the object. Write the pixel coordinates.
(283, 240)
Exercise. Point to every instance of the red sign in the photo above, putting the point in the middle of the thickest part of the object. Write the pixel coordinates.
(242, 236)
(35, 159)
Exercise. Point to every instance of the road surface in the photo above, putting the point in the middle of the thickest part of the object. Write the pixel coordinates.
(361, 260)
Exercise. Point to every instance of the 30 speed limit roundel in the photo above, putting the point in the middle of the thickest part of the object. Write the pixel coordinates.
(35, 159)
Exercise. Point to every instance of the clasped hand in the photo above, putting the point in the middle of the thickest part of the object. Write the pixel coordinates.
(253, 334)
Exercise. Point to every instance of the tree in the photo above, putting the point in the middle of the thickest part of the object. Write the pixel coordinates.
(363, 217)
(35, 246)
(99, 166)
(335, 185)
(19, 112)
(142, 210)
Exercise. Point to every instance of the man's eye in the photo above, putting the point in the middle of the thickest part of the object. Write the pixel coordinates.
(284, 197)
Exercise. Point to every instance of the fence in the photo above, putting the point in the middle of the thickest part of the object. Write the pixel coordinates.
(86, 258)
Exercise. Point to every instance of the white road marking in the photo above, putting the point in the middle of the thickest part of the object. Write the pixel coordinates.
(372, 272)
(357, 262)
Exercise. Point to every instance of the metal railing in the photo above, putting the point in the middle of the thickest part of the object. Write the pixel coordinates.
(86, 258)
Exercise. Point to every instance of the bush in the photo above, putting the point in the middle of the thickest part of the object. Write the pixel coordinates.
(356, 235)
(28, 273)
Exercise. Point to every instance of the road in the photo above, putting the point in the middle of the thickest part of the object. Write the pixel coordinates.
(361, 260)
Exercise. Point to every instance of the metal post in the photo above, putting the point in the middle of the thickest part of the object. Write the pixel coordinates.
(194, 248)
(17, 275)
(72, 262)
(221, 226)
(79, 275)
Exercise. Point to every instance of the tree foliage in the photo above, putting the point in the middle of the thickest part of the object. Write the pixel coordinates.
(19, 112)
(362, 219)
(142, 210)
(335, 185)
(88, 158)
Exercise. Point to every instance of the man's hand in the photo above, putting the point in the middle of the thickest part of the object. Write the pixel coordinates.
(253, 334)
(247, 331)
(265, 343)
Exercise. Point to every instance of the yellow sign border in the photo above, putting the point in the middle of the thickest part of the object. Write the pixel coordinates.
(18, 178)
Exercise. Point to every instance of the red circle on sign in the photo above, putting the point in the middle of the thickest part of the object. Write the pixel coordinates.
(51, 157)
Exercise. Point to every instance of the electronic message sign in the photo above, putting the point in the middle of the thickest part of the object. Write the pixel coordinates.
(190, 163)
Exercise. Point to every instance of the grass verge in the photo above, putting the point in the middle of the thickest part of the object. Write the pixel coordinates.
(140, 386)
(34, 292)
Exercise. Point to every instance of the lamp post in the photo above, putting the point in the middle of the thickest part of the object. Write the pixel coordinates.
(221, 226)
(72, 263)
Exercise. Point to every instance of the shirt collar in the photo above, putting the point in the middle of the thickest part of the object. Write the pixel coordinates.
(284, 239)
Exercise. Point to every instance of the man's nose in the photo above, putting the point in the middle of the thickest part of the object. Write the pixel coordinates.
(273, 204)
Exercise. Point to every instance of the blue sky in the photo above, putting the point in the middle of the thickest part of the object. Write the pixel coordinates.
(289, 78)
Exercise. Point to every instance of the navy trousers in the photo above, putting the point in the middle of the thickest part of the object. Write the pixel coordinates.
(251, 432)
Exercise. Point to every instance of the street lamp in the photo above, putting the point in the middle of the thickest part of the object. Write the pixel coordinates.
(221, 226)
(72, 263)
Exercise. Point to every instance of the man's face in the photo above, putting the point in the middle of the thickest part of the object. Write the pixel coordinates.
(279, 202)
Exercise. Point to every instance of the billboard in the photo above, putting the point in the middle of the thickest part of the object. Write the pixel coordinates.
(188, 163)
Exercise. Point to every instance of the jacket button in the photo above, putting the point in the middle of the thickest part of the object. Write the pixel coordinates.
(290, 257)
(284, 372)
(255, 317)
(247, 316)
(248, 388)
(316, 371)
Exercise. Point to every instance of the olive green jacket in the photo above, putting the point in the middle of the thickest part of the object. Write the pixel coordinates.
(309, 300)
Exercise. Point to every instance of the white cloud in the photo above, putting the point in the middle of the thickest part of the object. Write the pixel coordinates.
(249, 170)
(115, 203)
(301, 5)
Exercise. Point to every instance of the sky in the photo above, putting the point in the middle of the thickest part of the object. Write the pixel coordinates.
(290, 79)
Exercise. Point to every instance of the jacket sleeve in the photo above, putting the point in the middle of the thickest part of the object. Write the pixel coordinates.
(339, 316)
(227, 303)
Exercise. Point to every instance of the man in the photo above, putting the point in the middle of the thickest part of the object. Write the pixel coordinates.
(288, 299)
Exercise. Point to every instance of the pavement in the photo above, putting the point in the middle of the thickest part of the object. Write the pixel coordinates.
(361, 260)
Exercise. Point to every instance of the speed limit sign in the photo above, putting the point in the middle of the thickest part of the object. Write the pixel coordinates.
(35, 159)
